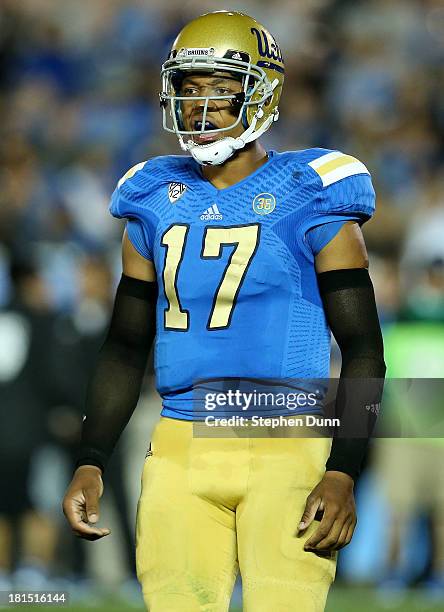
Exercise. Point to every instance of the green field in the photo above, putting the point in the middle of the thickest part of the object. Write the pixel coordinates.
(340, 600)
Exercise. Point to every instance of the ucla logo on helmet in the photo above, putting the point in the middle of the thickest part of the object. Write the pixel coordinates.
(264, 203)
(267, 46)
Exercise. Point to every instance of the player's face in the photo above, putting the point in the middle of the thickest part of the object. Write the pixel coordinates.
(220, 114)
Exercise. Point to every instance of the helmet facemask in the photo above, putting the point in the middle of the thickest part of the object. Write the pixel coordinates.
(256, 91)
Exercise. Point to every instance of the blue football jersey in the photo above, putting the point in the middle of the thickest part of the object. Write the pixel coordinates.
(238, 295)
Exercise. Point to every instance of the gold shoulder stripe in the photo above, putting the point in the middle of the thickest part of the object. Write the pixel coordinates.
(131, 172)
(335, 166)
(335, 163)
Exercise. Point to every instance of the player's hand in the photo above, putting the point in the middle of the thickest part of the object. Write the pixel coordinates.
(81, 502)
(334, 497)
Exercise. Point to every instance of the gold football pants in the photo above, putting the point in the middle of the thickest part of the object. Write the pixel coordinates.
(210, 506)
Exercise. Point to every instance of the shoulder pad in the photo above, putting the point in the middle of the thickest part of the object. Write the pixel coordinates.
(131, 172)
(334, 166)
(156, 171)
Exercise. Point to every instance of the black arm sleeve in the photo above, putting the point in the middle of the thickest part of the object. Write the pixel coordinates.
(350, 308)
(115, 384)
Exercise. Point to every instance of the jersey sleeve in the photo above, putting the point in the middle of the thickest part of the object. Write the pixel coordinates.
(136, 235)
(345, 193)
(128, 202)
(318, 237)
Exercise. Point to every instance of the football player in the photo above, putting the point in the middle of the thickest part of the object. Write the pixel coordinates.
(239, 261)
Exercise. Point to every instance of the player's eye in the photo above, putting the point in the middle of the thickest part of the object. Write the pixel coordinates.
(223, 91)
(189, 91)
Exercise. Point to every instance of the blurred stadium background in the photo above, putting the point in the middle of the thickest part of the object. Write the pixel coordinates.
(78, 96)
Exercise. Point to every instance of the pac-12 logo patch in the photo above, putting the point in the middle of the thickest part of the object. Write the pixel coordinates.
(176, 191)
(264, 203)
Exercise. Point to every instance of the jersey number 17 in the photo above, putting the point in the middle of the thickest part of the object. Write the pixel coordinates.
(245, 239)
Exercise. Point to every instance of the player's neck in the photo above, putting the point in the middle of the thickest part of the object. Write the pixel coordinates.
(241, 165)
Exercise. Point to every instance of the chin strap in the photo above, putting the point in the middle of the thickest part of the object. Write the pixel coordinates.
(216, 153)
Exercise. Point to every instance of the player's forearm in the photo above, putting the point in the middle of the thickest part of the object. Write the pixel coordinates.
(113, 394)
(116, 381)
(357, 406)
(350, 307)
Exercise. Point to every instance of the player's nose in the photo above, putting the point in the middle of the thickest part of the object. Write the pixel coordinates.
(198, 111)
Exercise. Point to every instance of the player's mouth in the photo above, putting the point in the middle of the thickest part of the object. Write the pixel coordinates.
(209, 125)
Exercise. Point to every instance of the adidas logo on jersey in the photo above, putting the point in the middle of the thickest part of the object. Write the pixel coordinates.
(176, 191)
(211, 214)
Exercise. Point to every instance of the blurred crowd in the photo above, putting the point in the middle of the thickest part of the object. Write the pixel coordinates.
(79, 85)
